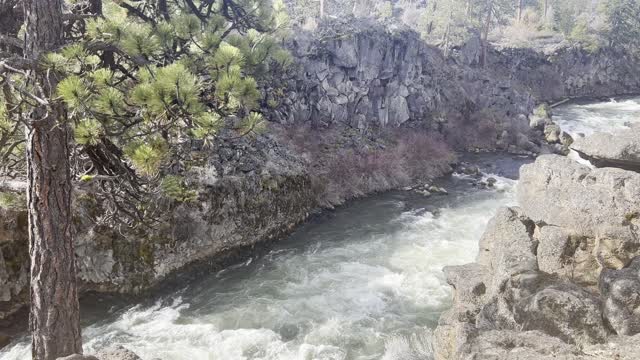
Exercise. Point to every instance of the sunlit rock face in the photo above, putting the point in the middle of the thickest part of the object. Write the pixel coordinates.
(620, 148)
(561, 269)
(365, 75)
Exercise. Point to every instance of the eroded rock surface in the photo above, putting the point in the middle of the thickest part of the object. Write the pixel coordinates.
(557, 277)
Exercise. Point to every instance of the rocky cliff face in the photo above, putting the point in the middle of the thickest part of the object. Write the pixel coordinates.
(364, 75)
(556, 277)
(361, 74)
(561, 71)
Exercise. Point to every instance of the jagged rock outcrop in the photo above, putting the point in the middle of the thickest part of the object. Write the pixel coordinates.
(562, 269)
(621, 290)
(619, 149)
(567, 71)
(360, 73)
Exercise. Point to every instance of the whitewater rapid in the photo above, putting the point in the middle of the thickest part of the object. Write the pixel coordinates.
(364, 282)
(585, 119)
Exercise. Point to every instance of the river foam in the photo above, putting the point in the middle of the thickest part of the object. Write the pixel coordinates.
(364, 284)
(585, 119)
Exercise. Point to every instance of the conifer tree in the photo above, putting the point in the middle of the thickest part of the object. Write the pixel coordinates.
(115, 94)
(144, 81)
(622, 23)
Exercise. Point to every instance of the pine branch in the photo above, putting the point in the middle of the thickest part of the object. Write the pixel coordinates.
(8, 40)
(76, 17)
(194, 9)
(135, 11)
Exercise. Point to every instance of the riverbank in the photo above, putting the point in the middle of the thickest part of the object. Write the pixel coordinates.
(556, 275)
(371, 266)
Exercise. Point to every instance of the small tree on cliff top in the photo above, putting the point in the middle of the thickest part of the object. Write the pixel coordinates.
(622, 23)
(134, 83)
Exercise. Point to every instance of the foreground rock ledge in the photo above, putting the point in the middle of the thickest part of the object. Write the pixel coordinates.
(557, 277)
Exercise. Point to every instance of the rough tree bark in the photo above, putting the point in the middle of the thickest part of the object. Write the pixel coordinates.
(54, 316)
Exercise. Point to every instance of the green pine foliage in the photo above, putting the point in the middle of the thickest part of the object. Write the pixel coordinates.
(175, 188)
(144, 84)
(622, 23)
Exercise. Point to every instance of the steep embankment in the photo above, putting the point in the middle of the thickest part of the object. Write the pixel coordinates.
(354, 82)
(558, 276)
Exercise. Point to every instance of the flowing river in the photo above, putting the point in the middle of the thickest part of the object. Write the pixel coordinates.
(363, 282)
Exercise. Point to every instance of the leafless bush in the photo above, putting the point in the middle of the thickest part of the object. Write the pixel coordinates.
(345, 167)
(477, 131)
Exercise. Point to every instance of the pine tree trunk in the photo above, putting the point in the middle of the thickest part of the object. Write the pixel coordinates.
(321, 9)
(54, 316)
(485, 34)
(433, 9)
(520, 9)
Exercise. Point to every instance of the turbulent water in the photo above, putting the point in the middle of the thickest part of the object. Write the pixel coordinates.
(363, 282)
(585, 119)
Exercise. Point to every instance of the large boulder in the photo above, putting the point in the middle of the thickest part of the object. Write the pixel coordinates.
(507, 246)
(542, 302)
(510, 345)
(621, 289)
(618, 149)
(456, 325)
(563, 310)
(558, 191)
(567, 255)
